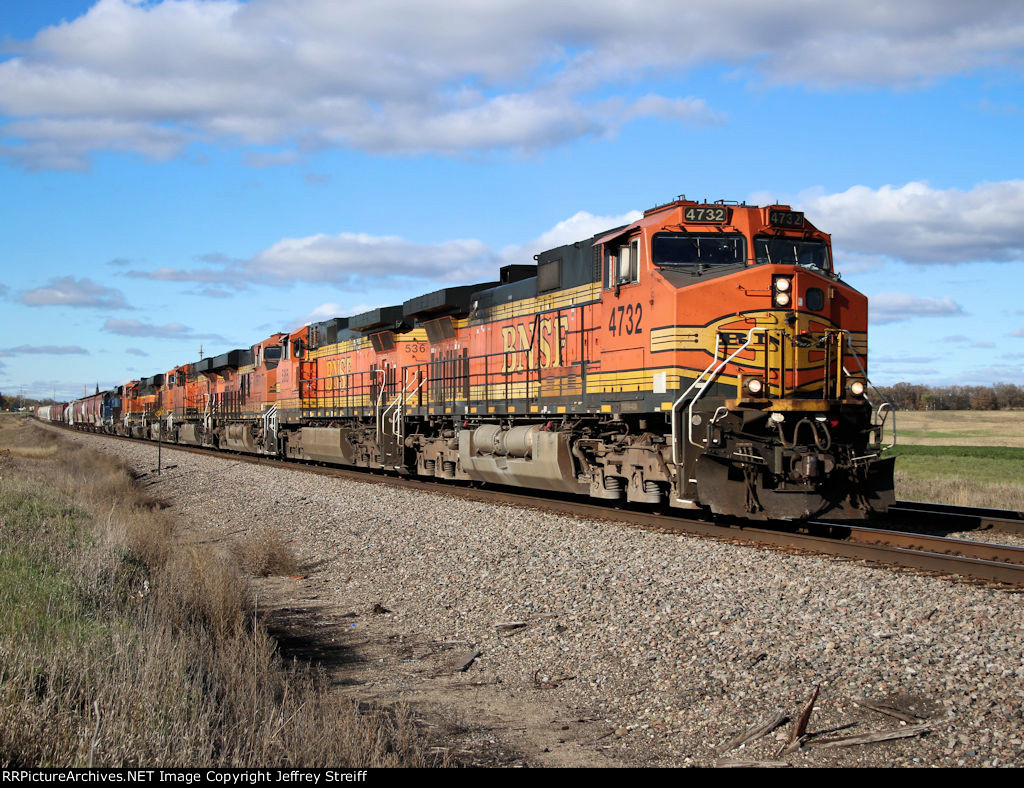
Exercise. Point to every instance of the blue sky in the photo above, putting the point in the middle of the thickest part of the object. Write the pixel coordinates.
(205, 172)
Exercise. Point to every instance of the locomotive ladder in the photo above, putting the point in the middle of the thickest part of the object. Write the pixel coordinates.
(702, 382)
(270, 429)
(396, 409)
(209, 411)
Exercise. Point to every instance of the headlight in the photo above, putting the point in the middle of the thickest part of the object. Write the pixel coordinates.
(753, 386)
(856, 388)
(781, 286)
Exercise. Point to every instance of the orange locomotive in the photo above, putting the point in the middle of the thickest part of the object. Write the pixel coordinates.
(705, 356)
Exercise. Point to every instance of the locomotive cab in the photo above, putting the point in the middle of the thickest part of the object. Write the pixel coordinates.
(764, 350)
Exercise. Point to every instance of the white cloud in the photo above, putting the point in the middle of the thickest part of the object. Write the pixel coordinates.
(577, 227)
(137, 328)
(63, 143)
(356, 257)
(45, 350)
(68, 291)
(168, 274)
(216, 292)
(329, 310)
(405, 76)
(920, 224)
(894, 307)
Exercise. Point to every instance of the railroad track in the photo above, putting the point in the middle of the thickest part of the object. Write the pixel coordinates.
(901, 539)
(940, 516)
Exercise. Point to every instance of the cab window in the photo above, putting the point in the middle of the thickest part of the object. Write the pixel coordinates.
(685, 249)
(792, 251)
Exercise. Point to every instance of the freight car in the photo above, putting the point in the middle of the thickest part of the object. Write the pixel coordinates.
(52, 413)
(706, 356)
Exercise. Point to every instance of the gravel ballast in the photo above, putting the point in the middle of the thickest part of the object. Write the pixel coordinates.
(638, 648)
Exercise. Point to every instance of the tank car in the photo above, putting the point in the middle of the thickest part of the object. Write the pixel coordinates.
(706, 356)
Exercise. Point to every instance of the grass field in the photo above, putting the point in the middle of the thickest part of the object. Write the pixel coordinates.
(123, 645)
(960, 428)
(969, 458)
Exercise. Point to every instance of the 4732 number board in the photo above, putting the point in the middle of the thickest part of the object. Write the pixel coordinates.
(786, 218)
(706, 214)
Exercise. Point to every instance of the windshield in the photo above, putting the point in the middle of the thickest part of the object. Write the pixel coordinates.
(271, 355)
(698, 249)
(792, 251)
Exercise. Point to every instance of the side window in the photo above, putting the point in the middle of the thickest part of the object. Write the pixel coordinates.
(549, 275)
(624, 264)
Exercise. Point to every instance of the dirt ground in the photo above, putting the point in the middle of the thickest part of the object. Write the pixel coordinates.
(472, 718)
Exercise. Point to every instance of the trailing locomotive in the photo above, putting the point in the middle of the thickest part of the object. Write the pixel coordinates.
(705, 356)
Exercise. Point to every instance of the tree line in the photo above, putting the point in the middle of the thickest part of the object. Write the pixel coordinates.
(914, 396)
(15, 402)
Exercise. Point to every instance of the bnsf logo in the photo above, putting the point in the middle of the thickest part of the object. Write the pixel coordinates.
(522, 352)
(336, 372)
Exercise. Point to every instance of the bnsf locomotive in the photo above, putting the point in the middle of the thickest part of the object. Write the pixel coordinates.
(705, 356)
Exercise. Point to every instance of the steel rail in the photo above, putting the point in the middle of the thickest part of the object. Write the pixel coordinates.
(964, 518)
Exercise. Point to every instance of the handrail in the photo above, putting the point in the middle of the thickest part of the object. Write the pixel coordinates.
(402, 397)
(380, 397)
(750, 338)
(886, 406)
(269, 417)
(675, 405)
(711, 373)
(889, 408)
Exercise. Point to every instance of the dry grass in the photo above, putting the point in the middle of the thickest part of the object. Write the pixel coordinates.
(959, 492)
(120, 647)
(965, 458)
(268, 553)
(960, 428)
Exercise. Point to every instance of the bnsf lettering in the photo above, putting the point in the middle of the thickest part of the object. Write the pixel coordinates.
(336, 373)
(521, 352)
(739, 337)
(337, 366)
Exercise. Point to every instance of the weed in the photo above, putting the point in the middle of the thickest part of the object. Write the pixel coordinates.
(122, 646)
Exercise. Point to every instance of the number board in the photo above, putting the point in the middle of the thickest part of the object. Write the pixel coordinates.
(706, 214)
(786, 218)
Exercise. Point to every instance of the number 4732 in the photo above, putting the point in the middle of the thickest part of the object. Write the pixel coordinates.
(626, 319)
